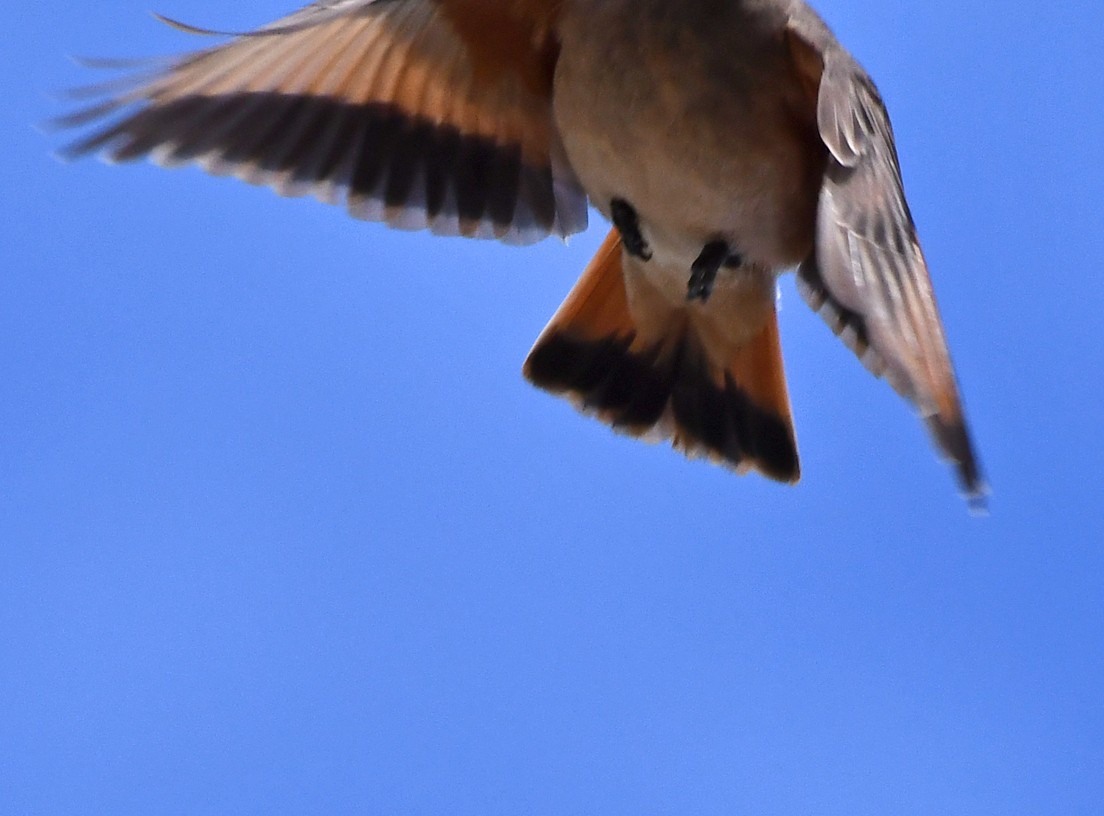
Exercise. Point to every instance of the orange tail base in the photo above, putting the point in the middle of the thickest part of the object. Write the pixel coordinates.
(590, 352)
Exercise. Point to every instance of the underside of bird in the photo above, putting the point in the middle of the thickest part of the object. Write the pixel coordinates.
(731, 140)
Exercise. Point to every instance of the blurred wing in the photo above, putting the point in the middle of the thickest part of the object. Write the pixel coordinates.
(420, 113)
(867, 276)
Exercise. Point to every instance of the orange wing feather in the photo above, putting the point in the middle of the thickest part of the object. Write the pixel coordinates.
(420, 113)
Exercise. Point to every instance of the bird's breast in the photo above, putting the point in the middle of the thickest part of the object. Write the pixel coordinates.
(691, 113)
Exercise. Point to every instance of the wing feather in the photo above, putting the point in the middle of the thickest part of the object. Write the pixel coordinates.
(867, 275)
(406, 111)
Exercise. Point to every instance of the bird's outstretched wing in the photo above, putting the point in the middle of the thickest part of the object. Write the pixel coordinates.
(867, 275)
(420, 113)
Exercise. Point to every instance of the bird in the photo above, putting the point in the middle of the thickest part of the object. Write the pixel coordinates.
(727, 141)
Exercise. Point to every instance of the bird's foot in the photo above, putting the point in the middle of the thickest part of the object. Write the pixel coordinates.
(703, 272)
(628, 224)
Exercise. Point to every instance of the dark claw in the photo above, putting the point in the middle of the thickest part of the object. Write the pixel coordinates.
(628, 224)
(703, 272)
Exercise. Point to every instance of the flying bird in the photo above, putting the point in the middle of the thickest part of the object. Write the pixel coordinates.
(727, 141)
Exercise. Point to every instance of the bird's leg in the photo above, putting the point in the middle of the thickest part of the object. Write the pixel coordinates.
(628, 224)
(703, 272)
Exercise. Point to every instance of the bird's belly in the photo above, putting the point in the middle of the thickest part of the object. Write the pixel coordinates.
(704, 146)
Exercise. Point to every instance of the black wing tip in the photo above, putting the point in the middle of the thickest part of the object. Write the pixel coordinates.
(953, 443)
(974, 488)
(951, 436)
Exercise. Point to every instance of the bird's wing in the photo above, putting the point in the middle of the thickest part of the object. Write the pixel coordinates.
(420, 113)
(867, 275)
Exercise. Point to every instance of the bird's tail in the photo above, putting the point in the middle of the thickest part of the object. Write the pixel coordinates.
(594, 353)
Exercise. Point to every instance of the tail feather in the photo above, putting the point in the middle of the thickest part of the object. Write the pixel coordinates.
(594, 353)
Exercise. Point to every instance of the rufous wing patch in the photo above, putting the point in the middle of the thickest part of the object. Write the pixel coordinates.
(507, 38)
(421, 113)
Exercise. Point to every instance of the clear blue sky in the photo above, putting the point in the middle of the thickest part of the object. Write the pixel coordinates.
(283, 530)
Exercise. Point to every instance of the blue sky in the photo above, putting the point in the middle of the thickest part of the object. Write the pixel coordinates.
(283, 530)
